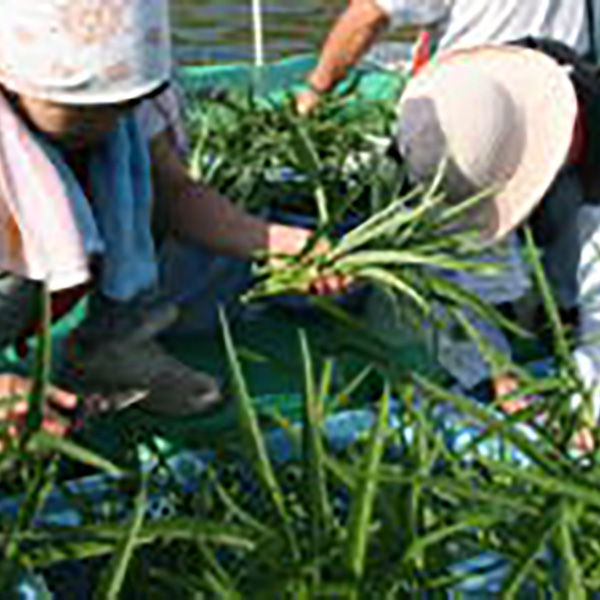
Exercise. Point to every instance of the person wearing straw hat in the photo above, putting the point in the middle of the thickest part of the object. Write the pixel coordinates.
(452, 23)
(87, 154)
(520, 124)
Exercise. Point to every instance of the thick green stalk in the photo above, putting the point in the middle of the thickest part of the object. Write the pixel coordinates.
(363, 501)
(255, 442)
(113, 578)
(43, 357)
(314, 453)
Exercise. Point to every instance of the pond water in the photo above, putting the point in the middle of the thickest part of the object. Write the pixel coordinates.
(221, 30)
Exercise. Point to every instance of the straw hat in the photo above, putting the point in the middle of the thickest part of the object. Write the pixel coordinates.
(502, 117)
(84, 51)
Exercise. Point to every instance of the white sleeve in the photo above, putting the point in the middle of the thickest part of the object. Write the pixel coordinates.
(164, 113)
(415, 12)
(587, 354)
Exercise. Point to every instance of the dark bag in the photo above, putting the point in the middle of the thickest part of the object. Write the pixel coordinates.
(586, 80)
(591, 20)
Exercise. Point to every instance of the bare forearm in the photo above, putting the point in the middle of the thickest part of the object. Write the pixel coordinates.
(198, 213)
(204, 216)
(352, 35)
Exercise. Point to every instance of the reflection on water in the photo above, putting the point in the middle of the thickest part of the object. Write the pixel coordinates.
(221, 31)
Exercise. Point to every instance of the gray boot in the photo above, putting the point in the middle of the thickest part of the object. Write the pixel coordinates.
(113, 362)
(19, 299)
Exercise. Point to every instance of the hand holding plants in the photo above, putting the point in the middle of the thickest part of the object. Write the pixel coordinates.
(14, 406)
(503, 389)
(287, 247)
(505, 392)
(306, 101)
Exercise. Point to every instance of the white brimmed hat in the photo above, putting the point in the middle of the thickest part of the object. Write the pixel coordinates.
(502, 117)
(84, 51)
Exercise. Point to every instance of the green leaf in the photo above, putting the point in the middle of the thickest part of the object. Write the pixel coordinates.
(44, 442)
(561, 344)
(47, 546)
(388, 280)
(551, 484)
(42, 366)
(406, 258)
(311, 163)
(113, 578)
(450, 293)
(243, 516)
(420, 544)
(254, 440)
(572, 583)
(314, 453)
(383, 223)
(532, 551)
(361, 506)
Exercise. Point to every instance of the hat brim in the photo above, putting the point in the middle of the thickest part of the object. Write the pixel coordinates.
(547, 105)
(73, 98)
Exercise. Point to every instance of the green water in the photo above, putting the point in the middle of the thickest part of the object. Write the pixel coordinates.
(221, 31)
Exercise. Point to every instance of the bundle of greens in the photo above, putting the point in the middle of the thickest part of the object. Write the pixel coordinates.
(407, 249)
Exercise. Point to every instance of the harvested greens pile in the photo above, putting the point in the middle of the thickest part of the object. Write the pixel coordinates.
(263, 155)
(435, 496)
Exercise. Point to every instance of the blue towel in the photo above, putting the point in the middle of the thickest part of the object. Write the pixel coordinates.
(117, 224)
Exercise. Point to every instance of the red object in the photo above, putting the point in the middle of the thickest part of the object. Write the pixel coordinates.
(61, 303)
(421, 52)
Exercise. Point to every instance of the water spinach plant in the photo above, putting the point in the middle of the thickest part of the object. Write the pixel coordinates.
(432, 494)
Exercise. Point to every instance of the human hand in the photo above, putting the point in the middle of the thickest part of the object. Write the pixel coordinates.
(505, 390)
(14, 406)
(288, 241)
(306, 101)
(504, 386)
(584, 440)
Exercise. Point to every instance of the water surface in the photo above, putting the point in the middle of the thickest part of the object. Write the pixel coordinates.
(216, 31)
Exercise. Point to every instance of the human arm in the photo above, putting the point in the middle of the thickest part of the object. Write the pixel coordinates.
(355, 32)
(198, 213)
(586, 354)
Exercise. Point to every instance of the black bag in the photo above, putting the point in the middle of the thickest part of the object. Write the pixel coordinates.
(586, 80)
(591, 20)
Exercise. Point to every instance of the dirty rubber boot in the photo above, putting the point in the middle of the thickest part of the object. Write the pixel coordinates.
(113, 362)
(19, 299)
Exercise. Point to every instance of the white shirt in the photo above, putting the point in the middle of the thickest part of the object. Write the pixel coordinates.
(461, 23)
